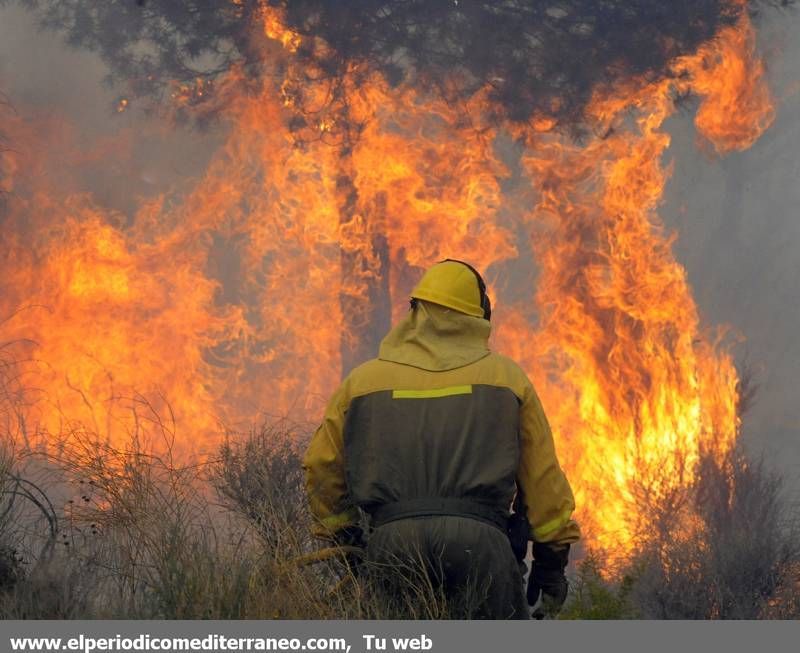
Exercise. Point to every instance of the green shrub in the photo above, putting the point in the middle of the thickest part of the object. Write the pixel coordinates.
(594, 597)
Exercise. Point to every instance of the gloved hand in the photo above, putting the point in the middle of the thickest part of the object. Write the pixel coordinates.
(549, 585)
(351, 536)
(547, 580)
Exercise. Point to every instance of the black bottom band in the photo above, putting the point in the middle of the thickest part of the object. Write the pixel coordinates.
(440, 506)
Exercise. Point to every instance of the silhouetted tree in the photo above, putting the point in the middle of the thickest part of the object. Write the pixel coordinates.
(541, 58)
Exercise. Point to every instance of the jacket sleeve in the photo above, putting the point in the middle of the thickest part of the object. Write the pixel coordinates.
(323, 464)
(546, 490)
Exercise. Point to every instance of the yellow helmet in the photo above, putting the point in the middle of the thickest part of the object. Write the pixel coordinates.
(457, 285)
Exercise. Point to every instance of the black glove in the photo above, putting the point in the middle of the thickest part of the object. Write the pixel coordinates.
(519, 529)
(351, 536)
(547, 578)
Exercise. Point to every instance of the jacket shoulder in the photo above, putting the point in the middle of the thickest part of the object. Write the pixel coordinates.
(503, 371)
(370, 376)
(506, 363)
(367, 371)
(493, 369)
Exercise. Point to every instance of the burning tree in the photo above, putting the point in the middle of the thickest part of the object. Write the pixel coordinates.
(532, 62)
(366, 140)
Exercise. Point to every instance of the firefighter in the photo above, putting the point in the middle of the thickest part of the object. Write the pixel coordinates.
(432, 440)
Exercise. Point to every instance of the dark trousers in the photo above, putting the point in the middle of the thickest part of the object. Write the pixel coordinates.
(447, 567)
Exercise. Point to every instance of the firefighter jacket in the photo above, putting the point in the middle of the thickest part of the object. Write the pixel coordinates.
(437, 416)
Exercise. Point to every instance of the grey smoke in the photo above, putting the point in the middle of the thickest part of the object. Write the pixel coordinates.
(738, 224)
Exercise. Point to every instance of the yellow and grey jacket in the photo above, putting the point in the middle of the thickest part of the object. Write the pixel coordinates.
(437, 416)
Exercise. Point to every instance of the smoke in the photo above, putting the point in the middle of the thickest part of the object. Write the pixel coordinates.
(737, 227)
(136, 155)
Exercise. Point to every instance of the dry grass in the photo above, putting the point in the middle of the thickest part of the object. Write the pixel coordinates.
(138, 536)
(731, 558)
(726, 547)
(88, 530)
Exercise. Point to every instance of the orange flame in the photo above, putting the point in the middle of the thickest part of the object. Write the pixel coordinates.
(225, 302)
(634, 388)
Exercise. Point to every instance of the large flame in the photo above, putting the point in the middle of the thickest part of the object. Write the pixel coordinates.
(635, 388)
(224, 303)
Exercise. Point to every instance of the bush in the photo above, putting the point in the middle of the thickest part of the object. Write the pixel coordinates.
(141, 537)
(728, 552)
(261, 477)
(133, 535)
(594, 597)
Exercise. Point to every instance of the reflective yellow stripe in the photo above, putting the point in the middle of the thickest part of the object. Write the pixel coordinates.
(554, 524)
(429, 394)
